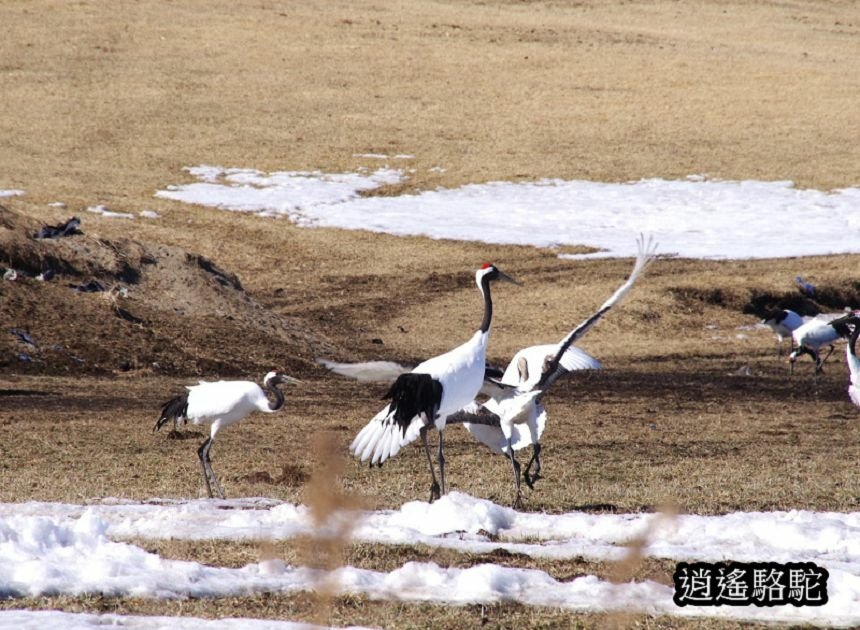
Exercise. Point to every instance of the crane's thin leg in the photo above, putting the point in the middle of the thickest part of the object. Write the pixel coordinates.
(530, 479)
(216, 482)
(434, 487)
(518, 498)
(208, 473)
(203, 454)
(820, 366)
(442, 464)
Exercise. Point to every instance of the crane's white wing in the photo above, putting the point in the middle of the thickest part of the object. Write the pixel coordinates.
(555, 368)
(526, 367)
(492, 436)
(382, 437)
(380, 371)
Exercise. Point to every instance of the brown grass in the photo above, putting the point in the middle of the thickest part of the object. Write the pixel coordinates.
(107, 102)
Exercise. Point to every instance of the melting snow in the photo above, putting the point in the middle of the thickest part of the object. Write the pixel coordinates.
(49, 548)
(696, 217)
(39, 620)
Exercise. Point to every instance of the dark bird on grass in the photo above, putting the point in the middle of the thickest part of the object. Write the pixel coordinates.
(426, 396)
(220, 404)
(782, 322)
(68, 228)
(515, 418)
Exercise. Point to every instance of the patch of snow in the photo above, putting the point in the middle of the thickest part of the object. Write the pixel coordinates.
(49, 548)
(41, 619)
(11, 193)
(696, 217)
(108, 214)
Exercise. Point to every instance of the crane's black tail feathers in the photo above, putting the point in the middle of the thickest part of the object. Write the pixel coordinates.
(412, 394)
(175, 409)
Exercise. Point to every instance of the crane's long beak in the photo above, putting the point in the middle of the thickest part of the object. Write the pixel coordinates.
(289, 379)
(507, 278)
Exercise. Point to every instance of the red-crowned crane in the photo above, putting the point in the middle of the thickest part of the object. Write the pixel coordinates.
(854, 362)
(819, 331)
(782, 322)
(851, 324)
(220, 404)
(427, 395)
(515, 417)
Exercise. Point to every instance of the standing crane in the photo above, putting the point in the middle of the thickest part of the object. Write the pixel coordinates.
(851, 323)
(427, 395)
(819, 331)
(221, 404)
(515, 417)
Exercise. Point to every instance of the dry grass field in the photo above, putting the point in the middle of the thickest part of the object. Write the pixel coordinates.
(106, 103)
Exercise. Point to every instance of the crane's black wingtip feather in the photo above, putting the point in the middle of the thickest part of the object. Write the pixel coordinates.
(173, 409)
(413, 394)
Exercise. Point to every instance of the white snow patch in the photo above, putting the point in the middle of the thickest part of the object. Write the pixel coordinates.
(292, 194)
(48, 548)
(696, 217)
(109, 214)
(11, 193)
(41, 619)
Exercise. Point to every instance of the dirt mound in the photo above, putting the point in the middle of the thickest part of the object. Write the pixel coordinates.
(87, 305)
(757, 301)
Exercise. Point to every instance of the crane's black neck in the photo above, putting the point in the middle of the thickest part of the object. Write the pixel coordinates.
(278, 395)
(488, 303)
(852, 340)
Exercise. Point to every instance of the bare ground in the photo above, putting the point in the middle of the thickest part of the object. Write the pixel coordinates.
(105, 104)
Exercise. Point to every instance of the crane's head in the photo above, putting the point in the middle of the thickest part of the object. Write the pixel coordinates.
(490, 272)
(852, 318)
(792, 358)
(772, 317)
(275, 378)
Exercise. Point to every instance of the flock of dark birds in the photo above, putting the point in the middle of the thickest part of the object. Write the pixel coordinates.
(445, 389)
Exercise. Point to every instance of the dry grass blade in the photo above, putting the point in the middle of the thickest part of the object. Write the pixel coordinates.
(333, 514)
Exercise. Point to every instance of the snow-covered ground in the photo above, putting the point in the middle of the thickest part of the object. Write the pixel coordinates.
(48, 548)
(53, 549)
(52, 619)
(696, 217)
